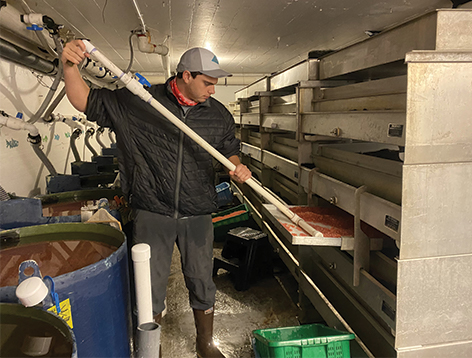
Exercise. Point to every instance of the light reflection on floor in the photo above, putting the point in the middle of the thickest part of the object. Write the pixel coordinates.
(237, 314)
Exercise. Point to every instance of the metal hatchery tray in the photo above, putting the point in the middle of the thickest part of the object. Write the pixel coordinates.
(296, 236)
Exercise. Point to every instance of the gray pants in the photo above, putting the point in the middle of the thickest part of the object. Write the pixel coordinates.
(194, 238)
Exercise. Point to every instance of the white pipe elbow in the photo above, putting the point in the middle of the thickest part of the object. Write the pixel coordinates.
(18, 124)
(145, 45)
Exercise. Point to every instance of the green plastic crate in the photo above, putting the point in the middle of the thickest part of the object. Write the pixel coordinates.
(222, 227)
(234, 219)
(306, 341)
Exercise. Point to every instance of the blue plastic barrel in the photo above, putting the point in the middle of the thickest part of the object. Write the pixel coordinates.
(94, 299)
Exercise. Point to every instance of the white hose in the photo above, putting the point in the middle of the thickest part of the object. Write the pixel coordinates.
(139, 15)
(135, 87)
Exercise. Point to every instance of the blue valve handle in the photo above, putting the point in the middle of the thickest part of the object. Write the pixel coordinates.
(34, 27)
(54, 295)
(142, 79)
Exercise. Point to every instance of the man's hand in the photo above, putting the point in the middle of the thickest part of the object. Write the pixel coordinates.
(73, 53)
(240, 174)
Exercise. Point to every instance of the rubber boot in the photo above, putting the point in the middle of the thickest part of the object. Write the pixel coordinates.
(204, 325)
(157, 319)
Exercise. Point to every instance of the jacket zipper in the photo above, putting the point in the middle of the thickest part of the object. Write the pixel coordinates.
(178, 177)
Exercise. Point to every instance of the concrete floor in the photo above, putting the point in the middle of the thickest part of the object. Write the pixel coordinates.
(266, 304)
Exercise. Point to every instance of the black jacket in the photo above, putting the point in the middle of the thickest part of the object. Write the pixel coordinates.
(162, 170)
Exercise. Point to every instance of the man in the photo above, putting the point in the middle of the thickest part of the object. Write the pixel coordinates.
(169, 178)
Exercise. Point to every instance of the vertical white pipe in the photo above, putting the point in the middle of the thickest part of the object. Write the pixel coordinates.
(140, 15)
(141, 254)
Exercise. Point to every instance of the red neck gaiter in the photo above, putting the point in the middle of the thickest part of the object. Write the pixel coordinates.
(180, 97)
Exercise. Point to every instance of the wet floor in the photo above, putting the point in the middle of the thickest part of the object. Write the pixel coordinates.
(266, 304)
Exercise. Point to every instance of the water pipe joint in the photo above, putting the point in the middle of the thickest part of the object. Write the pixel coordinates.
(35, 140)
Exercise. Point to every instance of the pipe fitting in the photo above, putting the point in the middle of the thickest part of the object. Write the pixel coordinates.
(17, 124)
(32, 18)
(34, 139)
(145, 45)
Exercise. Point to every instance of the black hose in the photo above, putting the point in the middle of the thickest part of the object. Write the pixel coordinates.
(112, 140)
(97, 137)
(47, 163)
(88, 134)
(54, 104)
(73, 138)
(131, 51)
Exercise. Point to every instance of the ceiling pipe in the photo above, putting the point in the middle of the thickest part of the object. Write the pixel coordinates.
(143, 25)
(15, 31)
(146, 46)
(16, 54)
(38, 20)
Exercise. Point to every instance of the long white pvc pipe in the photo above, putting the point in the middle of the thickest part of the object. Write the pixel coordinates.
(135, 87)
(141, 254)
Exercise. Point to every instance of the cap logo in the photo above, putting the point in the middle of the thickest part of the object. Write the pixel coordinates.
(214, 59)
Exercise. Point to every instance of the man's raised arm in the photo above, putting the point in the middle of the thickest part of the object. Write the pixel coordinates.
(76, 89)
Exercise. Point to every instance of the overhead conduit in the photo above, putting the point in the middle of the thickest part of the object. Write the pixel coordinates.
(145, 45)
(16, 54)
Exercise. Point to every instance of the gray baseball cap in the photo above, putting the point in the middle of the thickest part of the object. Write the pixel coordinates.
(199, 59)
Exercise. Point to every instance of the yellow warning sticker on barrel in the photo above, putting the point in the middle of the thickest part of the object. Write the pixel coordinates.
(66, 313)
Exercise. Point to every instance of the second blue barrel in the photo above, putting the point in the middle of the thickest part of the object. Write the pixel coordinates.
(89, 266)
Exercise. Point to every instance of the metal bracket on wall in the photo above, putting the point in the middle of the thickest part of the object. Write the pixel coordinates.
(361, 241)
(310, 186)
